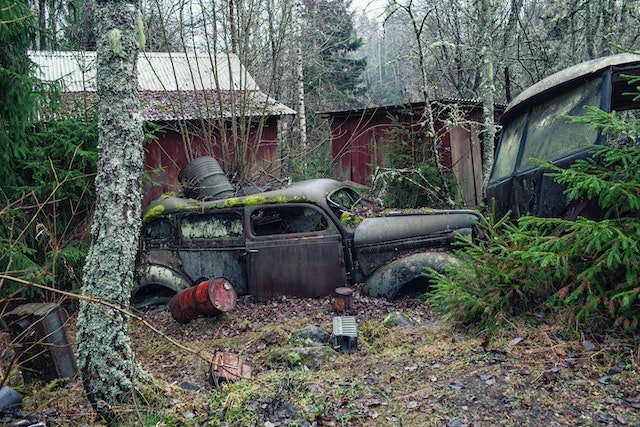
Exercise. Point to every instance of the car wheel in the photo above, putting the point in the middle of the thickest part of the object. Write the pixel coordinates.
(151, 296)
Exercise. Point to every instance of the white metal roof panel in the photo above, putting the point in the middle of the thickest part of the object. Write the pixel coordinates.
(157, 71)
(172, 85)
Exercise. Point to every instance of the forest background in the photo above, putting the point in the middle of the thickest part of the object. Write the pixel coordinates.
(316, 56)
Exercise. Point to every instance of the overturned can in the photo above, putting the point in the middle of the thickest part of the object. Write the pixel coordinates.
(209, 298)
(343, 299)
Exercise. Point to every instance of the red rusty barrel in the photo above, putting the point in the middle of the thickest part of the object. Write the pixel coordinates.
(209, 298)
(343, 299)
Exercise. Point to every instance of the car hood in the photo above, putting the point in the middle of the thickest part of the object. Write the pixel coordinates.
(408, 225)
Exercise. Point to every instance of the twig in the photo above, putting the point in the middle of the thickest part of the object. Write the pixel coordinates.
(113, 306)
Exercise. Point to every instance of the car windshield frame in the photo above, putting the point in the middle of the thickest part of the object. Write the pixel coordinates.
(339, 205)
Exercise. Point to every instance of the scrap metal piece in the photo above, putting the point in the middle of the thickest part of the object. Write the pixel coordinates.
(209, 298)
(9, 399)
(41, 341)
(345, 334)
(228, 367)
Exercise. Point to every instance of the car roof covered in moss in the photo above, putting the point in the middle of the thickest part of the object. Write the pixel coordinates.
(313, 191)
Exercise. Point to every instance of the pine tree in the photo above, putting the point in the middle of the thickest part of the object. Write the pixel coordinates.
(587, 269)
(18, 99)
(332, 72)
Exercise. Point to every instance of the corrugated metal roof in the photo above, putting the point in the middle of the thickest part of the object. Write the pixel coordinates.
(173, 85)
(157, 71)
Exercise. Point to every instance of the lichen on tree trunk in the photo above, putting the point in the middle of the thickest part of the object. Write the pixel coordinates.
(105, 356)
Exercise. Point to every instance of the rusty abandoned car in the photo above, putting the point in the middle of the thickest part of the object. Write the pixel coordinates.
(535, 126)
(295, 241)
(303, 240)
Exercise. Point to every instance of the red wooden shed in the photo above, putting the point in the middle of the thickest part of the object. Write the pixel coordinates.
(200, 104)
(357, 137)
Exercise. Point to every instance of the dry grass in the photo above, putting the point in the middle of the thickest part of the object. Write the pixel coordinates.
(419, 375)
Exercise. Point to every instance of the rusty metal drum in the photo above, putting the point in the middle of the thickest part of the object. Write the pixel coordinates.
(203, 178)
(207, 299)
(343, 299)
(41, 343)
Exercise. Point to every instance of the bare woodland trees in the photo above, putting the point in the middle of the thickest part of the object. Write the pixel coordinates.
(105, 357)
(532, 39)
(487, 49)
(418, 19)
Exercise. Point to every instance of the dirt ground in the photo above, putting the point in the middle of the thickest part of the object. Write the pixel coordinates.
(422, 374)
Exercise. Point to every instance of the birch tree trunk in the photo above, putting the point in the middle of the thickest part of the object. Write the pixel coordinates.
(105, 357)
(302, 117)
(486, 13)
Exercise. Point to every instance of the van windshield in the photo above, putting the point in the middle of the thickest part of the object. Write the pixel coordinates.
(543, 132)
(549, 136)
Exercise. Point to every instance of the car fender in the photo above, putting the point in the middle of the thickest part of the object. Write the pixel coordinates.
(157, 274)
(390, 278)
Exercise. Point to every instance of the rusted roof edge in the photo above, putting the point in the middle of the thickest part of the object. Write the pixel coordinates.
(407, 106)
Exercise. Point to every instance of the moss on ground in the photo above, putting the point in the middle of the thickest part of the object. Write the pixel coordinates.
(427, 374)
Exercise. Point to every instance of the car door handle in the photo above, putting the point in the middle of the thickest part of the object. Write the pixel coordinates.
(252, 251)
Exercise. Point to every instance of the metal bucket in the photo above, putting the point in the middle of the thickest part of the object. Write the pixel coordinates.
(210, 298)
(204, 179)
(43, 349)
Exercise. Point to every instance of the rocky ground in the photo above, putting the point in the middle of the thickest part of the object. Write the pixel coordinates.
(409, 370)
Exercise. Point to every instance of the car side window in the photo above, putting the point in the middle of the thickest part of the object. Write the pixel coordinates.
(158, 231)
(287, 220)
(221, 227)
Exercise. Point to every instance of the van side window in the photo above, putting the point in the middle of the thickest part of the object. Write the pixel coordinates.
(287, 220)
(623, 95)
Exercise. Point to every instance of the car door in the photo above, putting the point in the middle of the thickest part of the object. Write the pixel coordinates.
(293, 249)
(212, 245)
